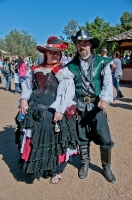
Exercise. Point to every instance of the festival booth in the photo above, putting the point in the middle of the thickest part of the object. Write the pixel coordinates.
(4, 54)
(124, 41)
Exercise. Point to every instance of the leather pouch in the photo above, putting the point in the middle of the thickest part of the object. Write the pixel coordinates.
(70, 111)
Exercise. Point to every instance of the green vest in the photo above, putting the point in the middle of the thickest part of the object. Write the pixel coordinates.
(96, 80)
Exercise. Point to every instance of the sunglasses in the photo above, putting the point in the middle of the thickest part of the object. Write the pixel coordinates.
(58, 53)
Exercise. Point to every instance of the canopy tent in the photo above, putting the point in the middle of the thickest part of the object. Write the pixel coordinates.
(123, 39)
(4, 52)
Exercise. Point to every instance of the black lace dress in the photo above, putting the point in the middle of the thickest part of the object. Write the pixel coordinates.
(45, 144)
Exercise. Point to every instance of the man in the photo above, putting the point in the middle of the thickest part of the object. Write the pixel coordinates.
(94, 90)
(1, 66)
(104, 52)
(117, 75)
(65, 58)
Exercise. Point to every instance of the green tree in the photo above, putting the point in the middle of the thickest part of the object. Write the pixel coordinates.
(126, 21)
(102, 30)
(20, 43)
(2, 44)
(70, 29)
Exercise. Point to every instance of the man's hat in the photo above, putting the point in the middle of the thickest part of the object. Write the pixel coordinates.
(53, 44)
(85, 35)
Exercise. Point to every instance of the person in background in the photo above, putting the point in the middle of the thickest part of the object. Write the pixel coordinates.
(47, 135)
(104, 53)
(22, 69)
(94, 90)
(40, 60)
(117, 75)
(16, 77)
(7, 71)
(131, 58)
(65, 58)
(1, 67)
(70, 57)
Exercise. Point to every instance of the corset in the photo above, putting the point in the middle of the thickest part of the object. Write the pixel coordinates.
(44, 83)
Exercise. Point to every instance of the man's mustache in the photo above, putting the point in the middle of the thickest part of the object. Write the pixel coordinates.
(82, 49)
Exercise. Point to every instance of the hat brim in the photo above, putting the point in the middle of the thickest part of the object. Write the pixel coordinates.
(62, 47)
(95, 41)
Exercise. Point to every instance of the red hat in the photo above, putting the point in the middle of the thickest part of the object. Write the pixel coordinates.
(53, 44)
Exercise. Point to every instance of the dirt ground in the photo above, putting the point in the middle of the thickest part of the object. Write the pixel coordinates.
(16, 185)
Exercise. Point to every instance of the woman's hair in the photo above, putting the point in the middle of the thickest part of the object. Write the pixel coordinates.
(7, 59)
(45, 61)
(20, 60)
(117, 54)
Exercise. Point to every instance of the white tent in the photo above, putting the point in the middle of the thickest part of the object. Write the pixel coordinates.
(4, 52)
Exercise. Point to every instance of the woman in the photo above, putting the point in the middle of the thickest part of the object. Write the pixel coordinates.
(45, 135)
(22, 69)
(7, 70)
(16, 77)
(117, 74)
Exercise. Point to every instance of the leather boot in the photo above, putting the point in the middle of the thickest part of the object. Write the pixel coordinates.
(85, 160)
(106, 162)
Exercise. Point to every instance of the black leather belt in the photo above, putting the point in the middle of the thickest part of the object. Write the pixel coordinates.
(88, 99)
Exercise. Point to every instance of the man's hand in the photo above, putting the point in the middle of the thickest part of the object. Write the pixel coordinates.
(102, 104)
(57, 116)
(23, 106)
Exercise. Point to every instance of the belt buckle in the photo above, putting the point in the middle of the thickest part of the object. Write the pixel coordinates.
(86, 100)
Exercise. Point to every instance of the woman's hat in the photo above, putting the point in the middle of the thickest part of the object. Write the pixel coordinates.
(85, 35)
(53, 44)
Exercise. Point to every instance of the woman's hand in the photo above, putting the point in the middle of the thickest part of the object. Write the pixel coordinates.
(57, 116)
(23, 106)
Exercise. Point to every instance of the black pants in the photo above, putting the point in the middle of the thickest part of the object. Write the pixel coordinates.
(94, 127)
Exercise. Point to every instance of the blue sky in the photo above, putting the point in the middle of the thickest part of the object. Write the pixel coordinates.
(44, 18)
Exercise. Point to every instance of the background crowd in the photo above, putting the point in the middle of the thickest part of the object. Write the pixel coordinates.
(18, 67)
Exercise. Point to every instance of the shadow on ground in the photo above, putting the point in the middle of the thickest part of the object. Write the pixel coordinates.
(127, 100)
(10, 154)
(76, 162)
(3, 88)
(126, 85)
(121, 105)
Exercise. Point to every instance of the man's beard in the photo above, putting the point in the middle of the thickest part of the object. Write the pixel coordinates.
(83, 54)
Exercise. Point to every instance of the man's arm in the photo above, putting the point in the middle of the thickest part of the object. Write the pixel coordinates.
(106, 95)
(113, 66)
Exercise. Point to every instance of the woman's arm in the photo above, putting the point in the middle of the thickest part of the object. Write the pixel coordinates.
(65, 92)
(12, 69)
(26, 90)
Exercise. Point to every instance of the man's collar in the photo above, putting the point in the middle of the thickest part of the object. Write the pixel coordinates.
(85, 60)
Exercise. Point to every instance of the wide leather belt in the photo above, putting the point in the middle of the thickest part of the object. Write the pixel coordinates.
(88, 99)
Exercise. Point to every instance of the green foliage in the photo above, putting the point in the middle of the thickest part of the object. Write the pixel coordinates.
(126, 21)
(70, 29)
(20, 43)
(101, 30)
(2, 44)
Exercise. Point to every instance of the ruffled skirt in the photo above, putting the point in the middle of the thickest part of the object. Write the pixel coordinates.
(40, 146)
